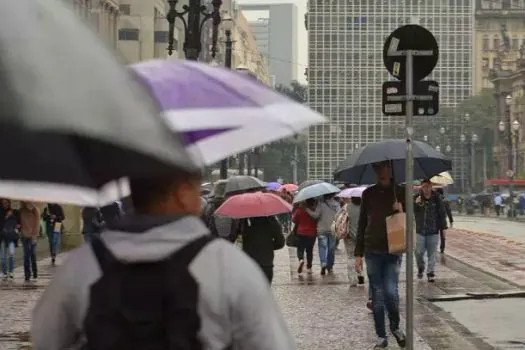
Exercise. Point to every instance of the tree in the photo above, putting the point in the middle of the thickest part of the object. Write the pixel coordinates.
(277, 158)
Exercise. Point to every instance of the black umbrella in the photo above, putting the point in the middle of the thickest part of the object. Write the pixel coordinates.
(357, 168)
(70, 113)
(243, 183)
(308, 183)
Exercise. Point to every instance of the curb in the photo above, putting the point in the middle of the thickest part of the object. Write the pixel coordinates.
(476, 296)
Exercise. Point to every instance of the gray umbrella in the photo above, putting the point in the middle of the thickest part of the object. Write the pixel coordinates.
(308, 183)
(243, 183)
(69, 111)
(357, 168)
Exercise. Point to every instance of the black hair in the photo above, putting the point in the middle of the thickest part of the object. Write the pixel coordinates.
(356, 200)
(145, 192)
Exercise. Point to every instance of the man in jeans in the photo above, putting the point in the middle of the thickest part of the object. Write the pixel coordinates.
(30, 228)
(378, 202)
(430, 215)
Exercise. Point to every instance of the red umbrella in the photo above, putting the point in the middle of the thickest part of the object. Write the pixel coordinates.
(289, 187)
(255, 204)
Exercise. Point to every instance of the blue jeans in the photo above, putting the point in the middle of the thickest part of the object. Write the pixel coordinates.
(7, 256)
(30, 268)
(54, 242)
(428, 244)
(383, 274)
(327, 244)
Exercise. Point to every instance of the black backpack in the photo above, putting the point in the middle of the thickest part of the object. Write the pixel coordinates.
(144, 305)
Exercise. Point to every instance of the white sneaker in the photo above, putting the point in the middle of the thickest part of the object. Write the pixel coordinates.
(4, 276)
(11, 275)
(309, 271)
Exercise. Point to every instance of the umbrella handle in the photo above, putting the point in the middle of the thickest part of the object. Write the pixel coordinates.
(393, 180)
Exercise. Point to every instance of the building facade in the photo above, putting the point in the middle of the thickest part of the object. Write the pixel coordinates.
(276, 37)
(346, 71)
(499, 27)
(103, 15)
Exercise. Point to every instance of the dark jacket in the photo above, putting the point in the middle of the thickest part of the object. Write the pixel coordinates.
(448, 210)
(92, 219)
(376, 205)
(260, 237)
(430, 215)
(57, 210)
(111, 212)
(9, 231)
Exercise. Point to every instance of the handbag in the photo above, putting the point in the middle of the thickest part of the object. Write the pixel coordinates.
(291, 238)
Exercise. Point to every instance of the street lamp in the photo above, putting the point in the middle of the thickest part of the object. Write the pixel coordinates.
(442, 131)
(227, 24)
(193, 25)
(448, 149)
(438, 148)
(425, 138)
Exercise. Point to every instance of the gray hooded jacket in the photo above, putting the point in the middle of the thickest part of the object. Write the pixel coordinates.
(324, 213)
(236, 303)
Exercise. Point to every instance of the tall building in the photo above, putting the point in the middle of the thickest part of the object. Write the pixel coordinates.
(345, 71)
(499, 28)
(276, 36)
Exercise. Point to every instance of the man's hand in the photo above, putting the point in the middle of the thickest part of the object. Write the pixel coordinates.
(418, 199)
(397, 207)
(359, 263)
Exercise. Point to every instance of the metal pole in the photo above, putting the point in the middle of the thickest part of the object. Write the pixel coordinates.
(472, 164)
(295, 160)
(409, 165)
(514, 164)
(228, 64)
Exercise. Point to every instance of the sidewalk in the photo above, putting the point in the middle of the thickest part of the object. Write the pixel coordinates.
(494, 254)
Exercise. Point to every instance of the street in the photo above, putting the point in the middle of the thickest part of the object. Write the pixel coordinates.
(325, 313)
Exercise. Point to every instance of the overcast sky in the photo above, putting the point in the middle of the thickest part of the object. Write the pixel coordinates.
(302, 60)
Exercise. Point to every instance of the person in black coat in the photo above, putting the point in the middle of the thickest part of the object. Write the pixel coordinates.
(53, 217)
(448, 211)
(260, 237)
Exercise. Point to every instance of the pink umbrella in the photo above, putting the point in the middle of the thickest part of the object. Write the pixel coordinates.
(352, 192)
(255, 204)
(289, 187)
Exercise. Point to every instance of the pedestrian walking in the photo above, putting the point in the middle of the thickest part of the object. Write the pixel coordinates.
(306, 228)
(378, 202)
(498, 204)
(324, 213)
(201, 292)
(92, 223)
(54, 218)
(261, 236)
(429, 212)
(448, 211)
(8, 240)
(30, 230)
(353, 209)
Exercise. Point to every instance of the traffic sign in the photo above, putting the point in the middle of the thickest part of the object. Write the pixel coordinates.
(426, 98)
(410, 37)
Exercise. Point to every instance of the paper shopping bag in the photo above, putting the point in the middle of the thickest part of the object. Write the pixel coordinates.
(396, 231)
(58, 227)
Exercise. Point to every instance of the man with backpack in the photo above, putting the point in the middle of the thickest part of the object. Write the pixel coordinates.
(158, 280)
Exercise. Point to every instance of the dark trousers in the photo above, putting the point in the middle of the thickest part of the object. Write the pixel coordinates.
(442, 241)
(498, 209)
(30, 267)
(268, 272)
(306, 243)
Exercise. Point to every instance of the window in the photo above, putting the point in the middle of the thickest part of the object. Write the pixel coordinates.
(515, 43)
(486, 43)
(496, 45)
(128, 34)
(125, 9)
(161, 36)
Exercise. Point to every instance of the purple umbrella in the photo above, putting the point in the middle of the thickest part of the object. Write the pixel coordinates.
(220, 111)
(273, 186)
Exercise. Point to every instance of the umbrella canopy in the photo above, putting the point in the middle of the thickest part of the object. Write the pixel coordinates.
(255, 204)
(203, 203)
(315, 191)
(222, 112)
(242, 183)
(352, 192)
(273, 186)
(443, 178)
(357, 168)
(289, 187)
(72, 119)
(308, 183)
(219, 188)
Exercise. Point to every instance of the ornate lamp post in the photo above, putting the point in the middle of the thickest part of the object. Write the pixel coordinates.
(513, 137)
(227, 24)
(193, 25)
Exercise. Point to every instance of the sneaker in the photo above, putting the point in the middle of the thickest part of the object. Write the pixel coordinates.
(52, 261)
(361, 280)
(442, 251)
(330, 271)
(323, 271)
(35, 276)
(369, 305)
(4, 276)
(381, 343)
(420, 272)
(11, 275)
(400, 338)
(431, 277)
(301, 265)
(309, 270)
(27, 279)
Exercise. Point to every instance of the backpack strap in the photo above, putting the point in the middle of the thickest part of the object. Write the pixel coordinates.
(186, 254)
(102, 253)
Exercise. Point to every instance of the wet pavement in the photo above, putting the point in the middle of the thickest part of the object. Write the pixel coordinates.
(326, 313)
(514, 230)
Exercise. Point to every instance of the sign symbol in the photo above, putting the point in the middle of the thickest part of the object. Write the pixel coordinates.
(396, 69)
